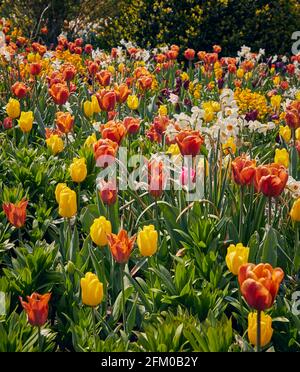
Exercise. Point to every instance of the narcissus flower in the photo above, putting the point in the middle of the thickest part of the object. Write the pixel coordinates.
(282, 157)
(67, 203)
(189, 142)
(16, 213)
(91, 290)
(237, 255)
(147, 241)
(270, 179)
(295, 211)
(25, 121)
(265, 329)
(99, 230)
(36, 308)
(78, 170)
(121, 246)
(133, 102)
(55, 144)
(259, 284)
(64, 121)
(243, 170)
(13, 109)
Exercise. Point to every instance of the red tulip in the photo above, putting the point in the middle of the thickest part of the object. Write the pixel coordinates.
(36, 308)
(16, 213)
(270, 179)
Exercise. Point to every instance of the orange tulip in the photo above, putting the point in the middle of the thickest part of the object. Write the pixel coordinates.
(36, 308)
(107, 192)
(115, 131)
(292, 115)
(35, 68)
(105, 151)
(189, 142)
(156, 178)
(19, 89)
(103, 77)
(145, 82)
(189, 54)
(243, 170)
(68, 71)
(122, 92)
(107, 100)
(259, 284)
(16, 213)
(270, 179)
(121, 246)
(60, 93)
(64, 121)
(131, 124)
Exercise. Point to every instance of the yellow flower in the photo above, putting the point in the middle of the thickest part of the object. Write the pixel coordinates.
(229, 146)
(275, 102)
(25, 121)
(33, 57)
(295, 211)
(78, 170)
(208, 116)
(90, 140)
(297, 134)
(88, 109)
(121, 67)
(285, 132)
(173, 149)
(95, 105)
(55, 144)
(297, 95)
(111, 69)
(91, 290)
(184, 76)
(266, 328)
(132, 102)
(163, 110)
(237, 255)
(240, 73)
(67, 203)
(197, 94)
(216, 106)
(276, 80)
(58, 190)
(13, 108)
(99, 230)
(281, 157)
(147, 240)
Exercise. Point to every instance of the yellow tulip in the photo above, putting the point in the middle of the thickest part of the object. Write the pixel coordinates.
(276, 80)
(55, 144)
(91, 290)
(147, 240)
(285, 132)
(111, 69)
(67, 203)
(78, 170)
(295, 211)
(297, 95)
(173, 149)
(99, 230)
(297, 134)
(121, 67)
(163, 110)
(95, 105)
(237, 255)
(208, 116)
(240, 73)
(266, 328)
(90, 140)
(13, 109)
(132, 102)
(281, 157)
(25, 121)
(275, 102)
(88, 109)
(58, 190)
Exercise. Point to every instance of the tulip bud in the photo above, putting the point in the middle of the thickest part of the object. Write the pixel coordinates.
(99, 230)
(67, 203)
(26, 121)
(133, 102)
(13, 109)
(78, 170)
(55, 144)
(36, 308)
(147, 241)
(237, 255)
(88, 109)
(91, 290)
(265, 325)
(282, 157)
(285, 132)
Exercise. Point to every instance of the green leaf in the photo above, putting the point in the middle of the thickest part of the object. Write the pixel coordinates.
(269, 247)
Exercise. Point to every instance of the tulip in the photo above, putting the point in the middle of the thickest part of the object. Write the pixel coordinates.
(145, 82)
(187, 176)
(91, 290)
(99, 230)
(25, 121)
(55, 144)
(243, 170)
(35, 68)
(147, 241)
(292, 115)
(132, 125)
(237, 255)
(19, 89)
(78, 170)
(295, 211)
(133, 102)
(60, 93)
(189, 142)
(108, 192)
(107, 100)
(7, 123)
(67, 203)
(95, 105)
(64, 121)
(105, 151)
(229, 146)
(88, 109)
(121, 246)
(103, 77)
(265, 326)
(16, 213)
(270, 179)
(282, 157)
(259, 284)
(58, 190)
(13, 109)
(285, 132)
(122, 93)
(114, 131)
(36, 308)
(189, 54)
(90, 140)
(156, 178)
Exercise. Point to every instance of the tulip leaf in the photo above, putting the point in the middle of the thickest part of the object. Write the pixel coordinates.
(253, 245)
(87, 216)
(268, 247)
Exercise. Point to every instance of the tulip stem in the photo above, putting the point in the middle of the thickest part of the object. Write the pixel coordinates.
(40, 339)
(78, 197)
(123, 296)
(94, 327)
(241, 213)
(270, 211)
(258, 334)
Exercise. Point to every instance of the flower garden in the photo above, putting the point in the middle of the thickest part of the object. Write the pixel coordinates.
(150, 198)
